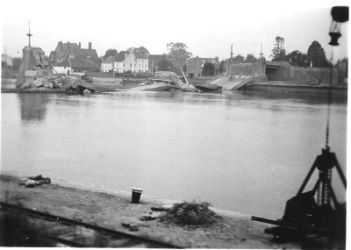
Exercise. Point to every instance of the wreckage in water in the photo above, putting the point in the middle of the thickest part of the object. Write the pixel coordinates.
(206, 87)
(164, 81)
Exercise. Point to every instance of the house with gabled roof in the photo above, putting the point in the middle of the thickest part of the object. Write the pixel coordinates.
(134, 60)
(119, 64)
(63, 67)
(80, 59)
(6, 61)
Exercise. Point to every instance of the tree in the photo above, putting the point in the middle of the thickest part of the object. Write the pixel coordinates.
(142, 51)
(164, 64)
(316, 55)
(222, 67)
(250, 58)
(279, 50)
(16, 63)
(208, 69)
(178, 54)
(110, 52)
(297, 58)
(238, 59)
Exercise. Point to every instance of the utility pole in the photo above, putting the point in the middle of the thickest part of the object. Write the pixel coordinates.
(29, 34)
(231, 53)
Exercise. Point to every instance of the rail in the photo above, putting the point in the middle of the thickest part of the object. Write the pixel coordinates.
(68, 221)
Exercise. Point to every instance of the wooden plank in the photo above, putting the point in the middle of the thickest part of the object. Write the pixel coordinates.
(292, 226)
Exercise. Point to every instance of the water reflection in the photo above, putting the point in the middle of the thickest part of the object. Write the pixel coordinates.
(33, 106)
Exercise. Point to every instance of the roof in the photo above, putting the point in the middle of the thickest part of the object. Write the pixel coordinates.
(80, 58)
(83, 63)
(88, 52)
(109, 59)
(120, 56)
(64, 63)
(4, 56)
(140, 53)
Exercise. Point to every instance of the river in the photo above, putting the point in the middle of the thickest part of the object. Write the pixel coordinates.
(244, 152)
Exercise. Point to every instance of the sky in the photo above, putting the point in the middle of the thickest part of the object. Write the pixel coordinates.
(208, 28)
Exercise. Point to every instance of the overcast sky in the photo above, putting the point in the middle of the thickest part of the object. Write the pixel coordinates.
(208, 28)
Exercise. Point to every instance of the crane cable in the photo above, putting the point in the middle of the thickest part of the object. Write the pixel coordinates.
(327, 132)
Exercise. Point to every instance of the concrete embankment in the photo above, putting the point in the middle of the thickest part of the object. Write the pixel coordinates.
(282, 84)
(232, 83)
(278, 88)
(111, 210)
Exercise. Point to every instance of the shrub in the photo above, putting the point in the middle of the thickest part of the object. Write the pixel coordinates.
(191, 213)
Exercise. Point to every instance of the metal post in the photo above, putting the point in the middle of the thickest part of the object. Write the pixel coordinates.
(307, 177)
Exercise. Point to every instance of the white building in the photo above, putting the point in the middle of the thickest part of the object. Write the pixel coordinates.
(6, 60)
(63, 68)
(107, 64)
(135, 60)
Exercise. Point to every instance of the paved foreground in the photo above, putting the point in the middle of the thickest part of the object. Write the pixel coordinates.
(114, 211)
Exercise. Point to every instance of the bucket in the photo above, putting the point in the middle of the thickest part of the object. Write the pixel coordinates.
(136, 193)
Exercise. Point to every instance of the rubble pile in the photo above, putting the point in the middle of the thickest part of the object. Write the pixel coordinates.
(36, 73)
(51, 82)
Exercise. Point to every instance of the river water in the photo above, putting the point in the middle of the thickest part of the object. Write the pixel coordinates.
(244, 152)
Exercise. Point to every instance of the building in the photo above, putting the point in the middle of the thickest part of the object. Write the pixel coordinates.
(119, 64)
(64, 67)
(107, 64)
(134, 60)
(34, 63)
(6, 61)
(74, 56)
(195, 65)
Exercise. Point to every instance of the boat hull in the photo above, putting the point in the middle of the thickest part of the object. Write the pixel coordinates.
(205, 87)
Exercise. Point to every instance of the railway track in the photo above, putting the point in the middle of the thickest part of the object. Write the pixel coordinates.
(67, 232)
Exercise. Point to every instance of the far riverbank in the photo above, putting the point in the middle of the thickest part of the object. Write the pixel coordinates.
(105, 84)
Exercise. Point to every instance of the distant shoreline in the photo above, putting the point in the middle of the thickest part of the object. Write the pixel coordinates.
(8, 86)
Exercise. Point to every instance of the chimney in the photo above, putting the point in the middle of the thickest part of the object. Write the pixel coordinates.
(89, 46)
(80, 45)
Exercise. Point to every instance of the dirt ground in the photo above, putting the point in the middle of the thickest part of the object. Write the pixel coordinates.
(111, 211)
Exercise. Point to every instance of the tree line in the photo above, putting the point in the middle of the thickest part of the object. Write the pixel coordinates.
(315, 56)
(178, 55)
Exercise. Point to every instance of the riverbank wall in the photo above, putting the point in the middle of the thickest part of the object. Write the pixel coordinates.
(285, 72)
(282, 90)
(273, 74)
